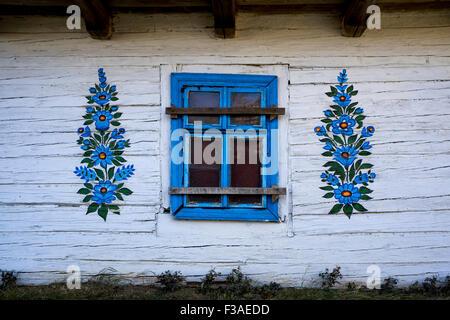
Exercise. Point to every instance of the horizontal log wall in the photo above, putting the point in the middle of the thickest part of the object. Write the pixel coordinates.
(402, 73)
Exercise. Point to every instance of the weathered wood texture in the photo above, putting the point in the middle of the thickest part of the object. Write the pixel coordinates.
(402, 73)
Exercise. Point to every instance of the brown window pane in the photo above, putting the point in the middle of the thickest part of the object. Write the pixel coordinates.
(245, 99)
(245, 170)
(204, 99)
(202, 174)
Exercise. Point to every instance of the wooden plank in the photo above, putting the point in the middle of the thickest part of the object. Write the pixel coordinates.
(230, 190)
(353, 22)
(224, 18)
(235, 110)
(97, 18)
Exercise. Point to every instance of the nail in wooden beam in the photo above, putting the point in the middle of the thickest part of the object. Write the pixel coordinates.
(97, 18)
(224, 18)
(354, 20)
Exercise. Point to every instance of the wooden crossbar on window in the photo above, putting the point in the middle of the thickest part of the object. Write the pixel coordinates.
(275, 192)
(272, 110)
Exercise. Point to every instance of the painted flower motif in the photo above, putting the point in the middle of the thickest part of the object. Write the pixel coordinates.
(85, 174)
(115, 134)
(343, 125)
(341, 88)
(359, 110)
(84, 132)
(342, 99)
(323, 175)
(320, 131)
(333, 180)
(328, 113)
(345, 155)
(113, 88)
(104, 192)
(114, 108)
(92, 90)
(328, 146)
(366, 146)
(347, 193)
(89, 109)
(342, 77)
(101, 98)
(102, 156)
(86, 142)
(102, 120)
(367, 132)
(124, 173)
(372, 175)
(121, 144)
(362, 178)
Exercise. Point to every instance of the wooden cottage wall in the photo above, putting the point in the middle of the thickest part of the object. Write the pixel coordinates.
(402, 73)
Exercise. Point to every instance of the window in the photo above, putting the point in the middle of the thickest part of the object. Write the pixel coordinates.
(224, 149)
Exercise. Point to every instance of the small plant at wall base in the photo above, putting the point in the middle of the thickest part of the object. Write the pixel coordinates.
(346, 176)
(104, 170)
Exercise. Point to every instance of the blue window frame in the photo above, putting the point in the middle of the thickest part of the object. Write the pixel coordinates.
(224, 91)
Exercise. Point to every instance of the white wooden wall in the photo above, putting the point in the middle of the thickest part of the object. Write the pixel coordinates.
(402, 73)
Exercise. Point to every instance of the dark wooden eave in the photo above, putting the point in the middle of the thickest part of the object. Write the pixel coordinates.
(354, 19)
(97, 18)
(224, 12)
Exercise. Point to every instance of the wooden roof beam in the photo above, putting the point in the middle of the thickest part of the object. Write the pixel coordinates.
(224, 18)
(354, 20)
(97, 18)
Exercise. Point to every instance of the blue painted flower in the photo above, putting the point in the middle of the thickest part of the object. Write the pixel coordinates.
(343, 99)
(362, 178)
(89, 109)
(103, 85)
(372, 175)
(328, 113)
(101, 98)
(347, 193)
(124, 173)
(115, 134)
(333, 179)
(345, 155)
(85, 173)
(102, 78)
(100, 70)
(341, 88)
(115, 108)
(104, 192)
(84, 147)
(328, 146)
(359, 110)
(84, 132)
(342, 77)
(102, 119)
(86, 142)
(343, 125)
(366, 146)
(320, 131)
(92, 90)
(102, 156)
(113, 88)
(121, 144)
(367, 132)
(323, 175)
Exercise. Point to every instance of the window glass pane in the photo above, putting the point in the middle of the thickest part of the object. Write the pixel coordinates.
(245, 170)
(204, 99)
(245, 99)
(202, 174)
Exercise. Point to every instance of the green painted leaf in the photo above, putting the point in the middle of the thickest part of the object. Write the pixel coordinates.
(365, 153)
(103, 211)
(365, 197)
(111, 173)
(84, 191)
(338, 139)
(327, 188)
(359, 207)
(326, 120)
(354, 93)
(118, 158)
(86, 160)
(115, 123)
(118, 196)
(92, 207)
(100, 173)
(88, 122)
(87, 198)
(330, 94)
(98, 137)
(364, 190)
(89, 186)
(117, 115)
(348, 210)
(366, 166)
(336, 208)
(328, 195)
(327, 154)
(125, 191)
(114, 98)
(350, 89)
(352, 139)
(117, 163)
